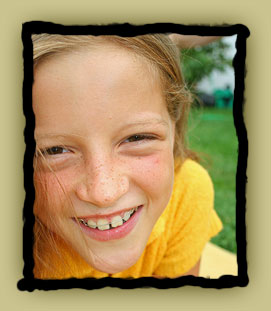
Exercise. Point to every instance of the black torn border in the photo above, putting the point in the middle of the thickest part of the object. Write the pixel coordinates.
(29, 283)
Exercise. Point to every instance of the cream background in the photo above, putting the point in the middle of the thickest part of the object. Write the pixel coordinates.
(256, 16)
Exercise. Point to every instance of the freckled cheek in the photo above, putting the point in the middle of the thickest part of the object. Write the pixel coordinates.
(154, 172)
(52, 191)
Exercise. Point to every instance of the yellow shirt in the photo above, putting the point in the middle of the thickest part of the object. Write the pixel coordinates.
(177, 239)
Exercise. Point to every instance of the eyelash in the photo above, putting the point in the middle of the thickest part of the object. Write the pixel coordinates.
(55, 150)
(139, 137)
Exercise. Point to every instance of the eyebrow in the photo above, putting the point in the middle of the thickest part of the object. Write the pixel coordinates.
(146, 122)
(56, 136)
(142, 123)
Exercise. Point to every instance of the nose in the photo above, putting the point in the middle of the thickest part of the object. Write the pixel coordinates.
(103, 183)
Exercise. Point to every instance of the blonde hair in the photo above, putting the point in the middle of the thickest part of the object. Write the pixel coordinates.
(163, 56)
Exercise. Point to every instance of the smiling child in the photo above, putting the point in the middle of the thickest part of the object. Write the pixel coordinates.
(117, 191)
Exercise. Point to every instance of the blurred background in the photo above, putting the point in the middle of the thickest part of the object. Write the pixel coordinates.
(209, 74)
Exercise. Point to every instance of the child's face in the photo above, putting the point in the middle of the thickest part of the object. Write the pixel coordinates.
(104, 113)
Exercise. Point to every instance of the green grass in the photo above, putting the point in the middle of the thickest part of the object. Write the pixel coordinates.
(212, 134)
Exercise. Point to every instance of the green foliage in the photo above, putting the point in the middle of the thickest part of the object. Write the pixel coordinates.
(212, 134)
(199, 62)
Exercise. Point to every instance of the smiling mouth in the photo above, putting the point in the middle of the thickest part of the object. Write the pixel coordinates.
(103, 224)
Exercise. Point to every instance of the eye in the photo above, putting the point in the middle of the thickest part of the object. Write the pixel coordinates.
(54, 150)
(138, 137)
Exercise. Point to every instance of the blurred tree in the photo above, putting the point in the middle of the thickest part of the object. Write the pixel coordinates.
(199, 62)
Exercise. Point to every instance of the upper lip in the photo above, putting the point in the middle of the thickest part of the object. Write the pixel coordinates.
(107, 216)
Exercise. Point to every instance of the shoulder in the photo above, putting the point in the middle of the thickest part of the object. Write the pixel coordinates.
(193, 191)
(193, 176)
(191, 220)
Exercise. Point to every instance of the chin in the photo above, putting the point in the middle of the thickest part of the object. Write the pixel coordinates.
(111, 268)
(115, 262)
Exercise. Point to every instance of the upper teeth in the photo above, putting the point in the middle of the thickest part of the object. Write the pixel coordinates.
(104, 224)
(117, 221)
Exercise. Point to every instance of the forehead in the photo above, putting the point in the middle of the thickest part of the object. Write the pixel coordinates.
(96, 63)
(96, 48)
(105, 57)
(96, 81)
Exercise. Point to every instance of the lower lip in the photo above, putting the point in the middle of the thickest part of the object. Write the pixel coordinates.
(114, 233)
